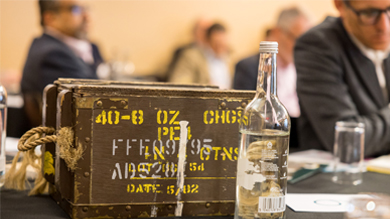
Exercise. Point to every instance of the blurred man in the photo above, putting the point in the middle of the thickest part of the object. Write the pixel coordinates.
(61, 51)
(205, 65)
(343, 69)
(199, 40)
(291, 23)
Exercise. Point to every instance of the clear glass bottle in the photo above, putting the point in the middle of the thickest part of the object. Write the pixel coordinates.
(264, 145)
(3, 125)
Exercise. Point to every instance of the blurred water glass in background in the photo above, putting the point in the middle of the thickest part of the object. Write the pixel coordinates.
(3, 125)
(377, 207)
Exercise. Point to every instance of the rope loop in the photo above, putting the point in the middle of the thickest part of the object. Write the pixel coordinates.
(28, 142)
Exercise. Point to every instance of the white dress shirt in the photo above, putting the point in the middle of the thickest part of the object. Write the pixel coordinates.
(286, 88)
(218, 70)
(377, 57)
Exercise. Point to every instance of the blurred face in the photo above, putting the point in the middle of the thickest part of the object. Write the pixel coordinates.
(218, 42)
(200, 31)
(367, 21)
(287, 38)
(71, 19)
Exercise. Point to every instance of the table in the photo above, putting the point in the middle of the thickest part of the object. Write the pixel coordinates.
(17, 205)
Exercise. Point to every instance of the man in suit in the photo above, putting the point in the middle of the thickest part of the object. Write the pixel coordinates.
(62, 51)
(343, 73)
(291, 23)
(205, 65)
(199, 40)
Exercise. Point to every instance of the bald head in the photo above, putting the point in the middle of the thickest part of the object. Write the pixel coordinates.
(200, 28)
(291, 23)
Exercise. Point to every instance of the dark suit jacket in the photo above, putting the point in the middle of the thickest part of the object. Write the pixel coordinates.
(335, 81)
(49, 59)
(245, 76)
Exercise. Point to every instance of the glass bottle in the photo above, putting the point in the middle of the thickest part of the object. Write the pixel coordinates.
(264, 145)
(3, 125)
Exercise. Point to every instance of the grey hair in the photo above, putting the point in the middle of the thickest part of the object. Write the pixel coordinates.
(288, 16)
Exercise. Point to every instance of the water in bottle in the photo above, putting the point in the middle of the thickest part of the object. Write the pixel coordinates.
(264, 143)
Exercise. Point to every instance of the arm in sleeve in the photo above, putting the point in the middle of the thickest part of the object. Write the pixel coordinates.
(325, 98)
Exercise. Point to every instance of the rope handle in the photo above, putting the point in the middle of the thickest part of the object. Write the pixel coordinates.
(64, 138)
(27, 142)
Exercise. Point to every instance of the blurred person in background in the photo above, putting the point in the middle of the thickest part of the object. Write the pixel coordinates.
(343, 69)
(199, 40)
(205, 64)
(63, 51)
(291, 23)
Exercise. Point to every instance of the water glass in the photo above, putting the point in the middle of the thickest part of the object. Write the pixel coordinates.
(3, 125)
(348, 153)
(377, 206)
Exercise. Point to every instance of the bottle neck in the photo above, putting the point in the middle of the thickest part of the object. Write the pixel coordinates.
(266, 79)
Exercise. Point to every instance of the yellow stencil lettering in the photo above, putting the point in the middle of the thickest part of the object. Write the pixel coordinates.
(165, 130)
(216, 116)
(170, 189)
(239, 117)
(141, 117)
(147, 155)
(234, 117)
(223, 117)
(99, 118)
(149, 165)
(216, 149)
(165, 119)
(228, 153)
(159, 133)
(177, 191)
(176, 128)
(109, 117)
(205, 117)
(158, 152)
(147, 187)
(201, 154)
(139, 189)
(212, 115)
(194, 188)
(134, 117)
(126, 117)
(104, 119)
(228, 117)
(189, 136)
(175, 114)
(172, 133)
(116, 117)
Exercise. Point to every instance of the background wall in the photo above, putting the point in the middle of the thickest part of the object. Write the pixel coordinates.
(149, 30)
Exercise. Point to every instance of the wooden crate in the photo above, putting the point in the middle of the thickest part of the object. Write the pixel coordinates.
(132, 134)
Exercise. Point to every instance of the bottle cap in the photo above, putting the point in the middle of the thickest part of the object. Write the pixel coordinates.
(269, 47)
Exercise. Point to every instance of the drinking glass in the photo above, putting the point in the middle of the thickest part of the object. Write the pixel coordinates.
(348, 153)
(3, 125)
(377, 206)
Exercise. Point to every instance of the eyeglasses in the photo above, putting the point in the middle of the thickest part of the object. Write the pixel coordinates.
(369, 16)
(75, 9)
